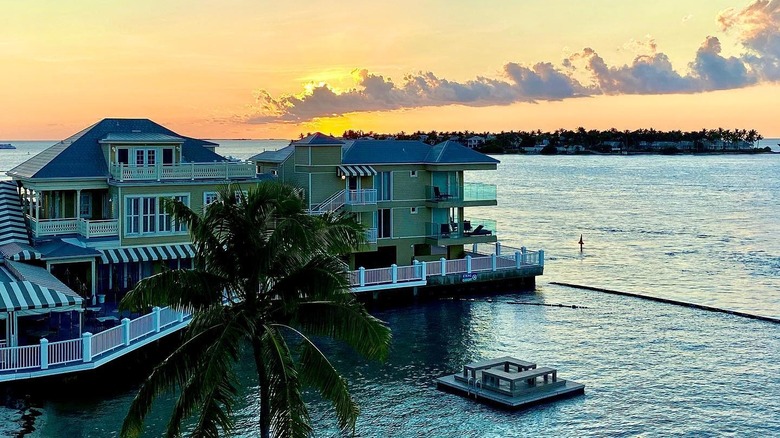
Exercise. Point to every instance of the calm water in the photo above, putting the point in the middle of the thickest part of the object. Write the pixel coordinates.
(701, 229)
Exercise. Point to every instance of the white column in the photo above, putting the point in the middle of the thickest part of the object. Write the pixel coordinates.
(493, 263)
(156, 319)
(86, 345)
(126, 331)
(94, 278)
(468, 264)
(44, 353)
(78, 204)
(443, 262)
(394, 272)
(362, 276)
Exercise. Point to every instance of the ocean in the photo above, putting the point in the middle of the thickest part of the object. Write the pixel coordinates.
(701, 229)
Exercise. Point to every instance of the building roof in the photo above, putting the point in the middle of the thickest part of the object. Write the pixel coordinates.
(81, 156)
(319, 138)
(141, 137)
(411, 152)
(58, 249)
(278, 156)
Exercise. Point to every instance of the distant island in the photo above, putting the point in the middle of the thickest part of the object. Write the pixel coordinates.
(593, 141)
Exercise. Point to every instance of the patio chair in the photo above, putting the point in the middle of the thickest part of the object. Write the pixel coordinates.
(439, 195)
(481, 231)
(445, 230)
(467, 227)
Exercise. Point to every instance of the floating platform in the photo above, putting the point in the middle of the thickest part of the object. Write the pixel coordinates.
(509, 383)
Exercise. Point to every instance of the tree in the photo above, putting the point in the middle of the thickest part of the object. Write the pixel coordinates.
(267, 276)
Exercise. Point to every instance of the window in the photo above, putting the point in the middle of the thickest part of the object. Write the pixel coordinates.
(384, 223)
(412, 174)
(383, 182)
(167, 157)
(274, 172)
(122, 156)
(145, 157)
(413, 210)
(166, 222)
(208, 199)
(146, 215)
(85, 209)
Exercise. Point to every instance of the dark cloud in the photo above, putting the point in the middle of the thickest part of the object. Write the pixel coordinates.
(757, 27)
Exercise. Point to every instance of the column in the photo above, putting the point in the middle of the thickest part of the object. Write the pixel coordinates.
(86, 343)
(44, 353)
(78, 204)
(93, 289)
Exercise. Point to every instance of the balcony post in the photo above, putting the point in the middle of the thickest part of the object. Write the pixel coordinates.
(192, 171)
(518, 259)
(126, 331)
(541, 258)
(362, 276)
(493, 264)
(86, 345)
(394, 272)
(156, 319)
(498, 247)
(474, 248)
(524, 251)
(423, 271)
(226, 170)
(180, 316)
(468, 264)
(443, 262)
(44, 353)
(158, 170)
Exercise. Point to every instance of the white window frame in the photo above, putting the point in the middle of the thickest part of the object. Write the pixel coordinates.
(214, 196)
(148, 157)
(413, 210)
(144, 215)
(412, 174)
(85, 205)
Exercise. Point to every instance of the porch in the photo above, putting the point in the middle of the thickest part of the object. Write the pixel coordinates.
(185, 171)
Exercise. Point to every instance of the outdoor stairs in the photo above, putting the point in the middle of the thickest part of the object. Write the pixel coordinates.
(331, 204)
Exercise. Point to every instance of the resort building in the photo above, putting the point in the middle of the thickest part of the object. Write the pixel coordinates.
(412, 197)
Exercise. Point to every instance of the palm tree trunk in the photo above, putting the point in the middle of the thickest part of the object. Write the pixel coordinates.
(265, 402)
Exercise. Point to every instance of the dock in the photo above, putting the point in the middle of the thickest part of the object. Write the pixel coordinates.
(509, 383)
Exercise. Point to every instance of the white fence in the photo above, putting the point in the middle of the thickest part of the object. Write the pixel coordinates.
(420, 271)
(88, 347)
(191, 171)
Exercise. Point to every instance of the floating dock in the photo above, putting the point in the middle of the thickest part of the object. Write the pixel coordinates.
(509, 383)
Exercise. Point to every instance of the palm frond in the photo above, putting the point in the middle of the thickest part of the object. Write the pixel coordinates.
(316, 370)
(289, 417)
(179, 288)
(348, 321)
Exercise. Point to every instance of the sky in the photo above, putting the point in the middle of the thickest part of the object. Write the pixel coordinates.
(271, 69)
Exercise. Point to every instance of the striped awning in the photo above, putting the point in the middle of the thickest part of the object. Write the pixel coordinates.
(12, 226)
(356, 171)
(19, 251)
(147, 253)
(24, 295)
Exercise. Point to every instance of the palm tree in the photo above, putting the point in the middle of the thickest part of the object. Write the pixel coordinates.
(267, 276)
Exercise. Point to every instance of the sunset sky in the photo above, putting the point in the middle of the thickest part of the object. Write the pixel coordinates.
(271, 69)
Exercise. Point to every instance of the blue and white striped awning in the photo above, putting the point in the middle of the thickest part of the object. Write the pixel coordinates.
(19, 251)
(12, 226)
(355, 170)
(24, 295)
(147, 253)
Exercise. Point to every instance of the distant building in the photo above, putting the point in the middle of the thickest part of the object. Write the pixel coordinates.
(475, 142)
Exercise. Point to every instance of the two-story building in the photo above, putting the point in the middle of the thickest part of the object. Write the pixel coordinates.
(412, 197)
(93, 203)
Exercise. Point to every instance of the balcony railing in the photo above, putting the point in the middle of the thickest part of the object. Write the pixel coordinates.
(471, 228)
(469, 192)
(85, 227)
(184, 171)
(371, 235)
(361, 197)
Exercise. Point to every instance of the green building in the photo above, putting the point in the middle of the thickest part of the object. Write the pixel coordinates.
(412, 197)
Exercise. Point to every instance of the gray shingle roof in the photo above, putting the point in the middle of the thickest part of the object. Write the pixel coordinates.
(278, 156)
(411, 152)
(319, 138)
(81, 156)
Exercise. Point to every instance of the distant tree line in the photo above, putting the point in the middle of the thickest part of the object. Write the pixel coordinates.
(588, 140)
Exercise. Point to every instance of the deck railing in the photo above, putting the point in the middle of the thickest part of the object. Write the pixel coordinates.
(88, 348)
(421, 271)
(184, 171)
(85, 227)
(361, 197)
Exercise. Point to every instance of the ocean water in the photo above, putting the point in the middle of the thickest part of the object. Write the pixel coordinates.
(702, 229)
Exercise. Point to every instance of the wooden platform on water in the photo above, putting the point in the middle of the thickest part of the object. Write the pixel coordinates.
(509, 383)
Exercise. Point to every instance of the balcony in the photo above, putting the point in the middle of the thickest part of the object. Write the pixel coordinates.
(85, 227)
(371, 235)
(469, 195)
(362, 200)
(185, 171)
(471, 231)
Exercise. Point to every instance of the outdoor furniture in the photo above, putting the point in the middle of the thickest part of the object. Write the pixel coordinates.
(467, 227)
(439, 195)
(481, 231)
(445, 230)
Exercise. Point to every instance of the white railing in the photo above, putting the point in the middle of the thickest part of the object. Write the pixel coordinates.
(66, 351)
(108, 340)
(191, 171)
(141, 327)
(53, 227)
(20, 358)
(168, 316)
(361, 197)
(469, 265)
(371, 235)
(98, 228)
(331, 204)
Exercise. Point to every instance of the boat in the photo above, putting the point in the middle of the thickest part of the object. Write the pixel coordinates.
(509, 383)
(7, 146)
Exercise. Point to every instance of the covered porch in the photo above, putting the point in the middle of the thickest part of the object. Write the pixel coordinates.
(87, 211)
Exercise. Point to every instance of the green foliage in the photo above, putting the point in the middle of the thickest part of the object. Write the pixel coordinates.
(263, 266)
